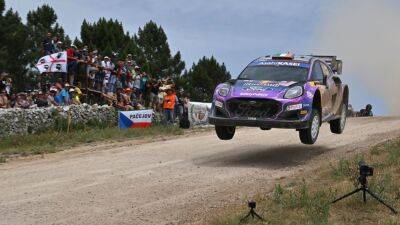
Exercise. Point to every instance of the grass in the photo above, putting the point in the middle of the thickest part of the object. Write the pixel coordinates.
(63, 136)
(307, 200)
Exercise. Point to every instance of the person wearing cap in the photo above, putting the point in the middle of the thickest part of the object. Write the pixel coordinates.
(108, 67)
(169, 106)
(50, 97)
(63, 97)
(74, 96)
(55, 45)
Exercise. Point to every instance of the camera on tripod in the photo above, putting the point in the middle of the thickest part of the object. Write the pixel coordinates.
(366, 170)
(251, 204)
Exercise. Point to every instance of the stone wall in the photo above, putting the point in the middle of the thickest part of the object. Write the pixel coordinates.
(24, 121)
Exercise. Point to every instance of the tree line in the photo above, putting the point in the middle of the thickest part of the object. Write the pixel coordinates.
(21, 47)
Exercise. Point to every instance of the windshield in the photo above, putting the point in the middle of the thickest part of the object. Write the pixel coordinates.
(274, 73)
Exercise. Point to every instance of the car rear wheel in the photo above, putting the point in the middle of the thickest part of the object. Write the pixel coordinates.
(337, 126)
(225, 132)
(310, 135)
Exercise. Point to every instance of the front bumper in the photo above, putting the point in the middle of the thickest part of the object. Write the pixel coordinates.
(267, 123)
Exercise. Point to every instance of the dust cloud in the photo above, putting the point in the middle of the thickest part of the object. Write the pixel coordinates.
(366, 35)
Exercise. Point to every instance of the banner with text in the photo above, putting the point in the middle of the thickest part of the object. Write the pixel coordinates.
(56, 62)
(199, 112)
(134, 119)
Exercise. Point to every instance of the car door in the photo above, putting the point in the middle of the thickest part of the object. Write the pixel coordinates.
(332, 87)
(317, 75)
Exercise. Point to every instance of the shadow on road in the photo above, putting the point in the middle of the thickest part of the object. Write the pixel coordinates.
(261, 156)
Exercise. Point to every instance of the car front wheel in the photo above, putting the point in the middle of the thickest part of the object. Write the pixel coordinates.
(310, 134)
(225, 132)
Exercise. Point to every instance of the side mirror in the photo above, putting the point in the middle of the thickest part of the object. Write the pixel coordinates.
(232, 81)
(339, 66)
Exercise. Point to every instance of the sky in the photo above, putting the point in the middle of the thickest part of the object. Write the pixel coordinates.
(233, 31)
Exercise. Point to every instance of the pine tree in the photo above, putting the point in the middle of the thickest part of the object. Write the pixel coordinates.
(41, 21)
(152, 41)
(109, 36)
(13, 46)
(201, 80)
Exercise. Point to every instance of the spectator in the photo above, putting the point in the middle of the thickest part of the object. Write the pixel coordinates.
(168, 106)
(136, 82)
(75, 98)
(3, 80)
(154, 91)
(50, 97)
(72, 64)
(60, 46)
(123, 101)
(367, 111)
(108, 80)
(144, 81)
(22, 101)
(55, 46)
(4, 103)
(63, 97)
(48, 45)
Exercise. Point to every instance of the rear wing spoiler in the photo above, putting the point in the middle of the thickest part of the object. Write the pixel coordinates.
(332, 61)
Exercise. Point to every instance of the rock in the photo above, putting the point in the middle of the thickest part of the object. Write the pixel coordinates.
(24, 121)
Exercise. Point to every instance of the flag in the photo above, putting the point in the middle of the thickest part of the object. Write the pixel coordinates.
(135, 119)
(56, 62)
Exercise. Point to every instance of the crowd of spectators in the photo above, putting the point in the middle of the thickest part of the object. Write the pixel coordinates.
(106, 79)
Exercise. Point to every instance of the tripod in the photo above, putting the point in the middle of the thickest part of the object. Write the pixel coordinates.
(362, 179)
(252, 212)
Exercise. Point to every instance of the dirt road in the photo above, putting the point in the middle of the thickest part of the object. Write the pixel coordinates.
(168, 182)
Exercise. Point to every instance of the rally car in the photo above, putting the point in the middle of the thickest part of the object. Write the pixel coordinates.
(283, 91)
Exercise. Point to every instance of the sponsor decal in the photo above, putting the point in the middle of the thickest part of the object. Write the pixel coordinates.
(283, 63)
(309, 94)
(279, 63)
(254, 94)
(312, 84)
(199, 112)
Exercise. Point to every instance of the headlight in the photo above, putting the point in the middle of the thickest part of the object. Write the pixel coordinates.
(224, 91)
(294, 92)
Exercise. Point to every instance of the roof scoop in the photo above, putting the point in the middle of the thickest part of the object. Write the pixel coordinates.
(283, 56)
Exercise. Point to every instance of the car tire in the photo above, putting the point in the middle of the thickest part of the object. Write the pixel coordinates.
(225, 132)
(338, 125)
(309, 135)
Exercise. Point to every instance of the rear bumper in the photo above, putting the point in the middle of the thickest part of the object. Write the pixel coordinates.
(294, 124)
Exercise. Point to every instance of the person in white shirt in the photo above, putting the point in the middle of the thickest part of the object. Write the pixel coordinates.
(108, 66)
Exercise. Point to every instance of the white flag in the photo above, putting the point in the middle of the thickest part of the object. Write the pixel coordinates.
(56, 62)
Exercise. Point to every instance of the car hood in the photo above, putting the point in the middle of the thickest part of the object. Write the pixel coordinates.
(260, 89)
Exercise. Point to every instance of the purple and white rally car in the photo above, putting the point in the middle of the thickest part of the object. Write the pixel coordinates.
(283, 91)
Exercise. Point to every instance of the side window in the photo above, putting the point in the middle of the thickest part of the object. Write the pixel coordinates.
(317, 74)
(325, 70)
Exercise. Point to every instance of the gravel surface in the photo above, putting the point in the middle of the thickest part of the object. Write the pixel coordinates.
(177, 181)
